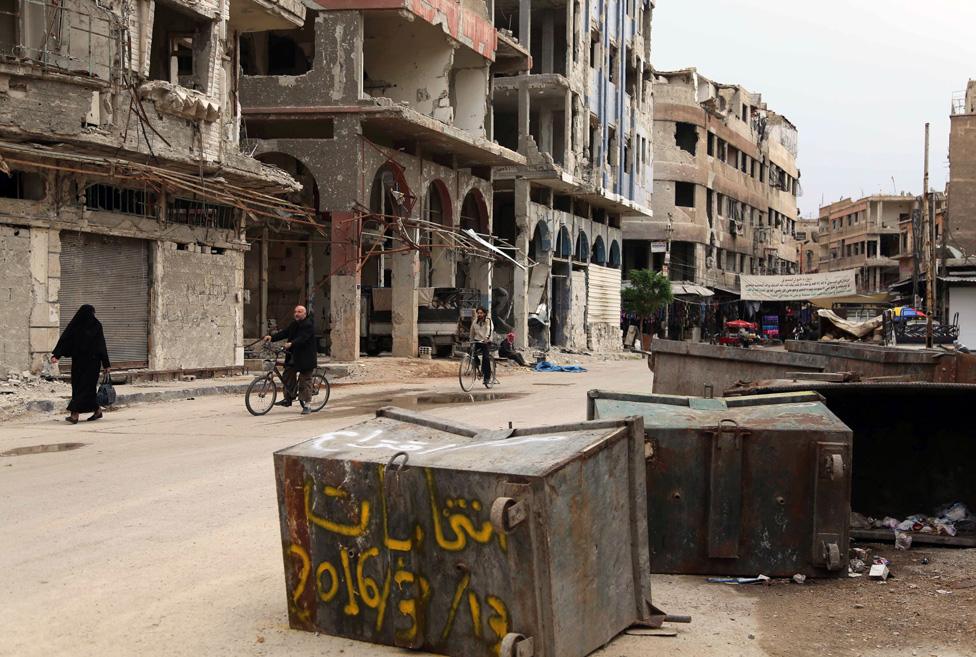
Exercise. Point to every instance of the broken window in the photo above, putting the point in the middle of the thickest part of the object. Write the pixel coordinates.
(889, 246)
(686, 137)
(594, 48)
(711, 145)
(195, 212)
(709, 199)
(8, 26)
(22, 185)
(611, 146)
(181, 48)
(139, 202)
(614, 63)
(627, 152)
(279, 52)
(684, 194)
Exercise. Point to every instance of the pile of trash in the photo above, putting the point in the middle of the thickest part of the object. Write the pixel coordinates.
(948, 520)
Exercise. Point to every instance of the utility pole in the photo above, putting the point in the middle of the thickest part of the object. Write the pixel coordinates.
(666, 270)
(929, 232)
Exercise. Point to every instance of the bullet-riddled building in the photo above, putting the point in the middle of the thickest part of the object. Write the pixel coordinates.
(122, 182)
(725, 177)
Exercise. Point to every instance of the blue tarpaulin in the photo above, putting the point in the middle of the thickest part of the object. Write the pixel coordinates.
(546, 366)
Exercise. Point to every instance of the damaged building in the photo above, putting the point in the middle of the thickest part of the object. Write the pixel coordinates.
(445, 153)
(382, 110)
(725, 185)
(869, 235)
(122, 181)
(582, 117)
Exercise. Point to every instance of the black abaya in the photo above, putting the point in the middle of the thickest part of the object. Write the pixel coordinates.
(84, 342)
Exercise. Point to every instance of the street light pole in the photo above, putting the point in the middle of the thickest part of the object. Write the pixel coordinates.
(666, 270)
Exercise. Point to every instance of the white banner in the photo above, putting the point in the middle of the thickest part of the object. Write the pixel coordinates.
(801, 287)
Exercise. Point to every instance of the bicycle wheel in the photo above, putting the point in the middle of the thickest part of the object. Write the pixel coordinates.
(468, 373)
(261, 395)
(320, 393)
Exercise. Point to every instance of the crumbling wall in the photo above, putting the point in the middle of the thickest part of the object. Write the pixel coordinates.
(605, 338)
(576, 317)
(422, 79)
(16, 299)
(469, 92)
(197, 308)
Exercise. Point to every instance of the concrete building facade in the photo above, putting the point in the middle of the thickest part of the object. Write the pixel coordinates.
(961, 190)
(440, 116)
(383, 110)
(582, 118)
(725, 185)
(866, 235)
(122, 180)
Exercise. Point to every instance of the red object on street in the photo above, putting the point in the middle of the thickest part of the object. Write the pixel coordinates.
(740, 323)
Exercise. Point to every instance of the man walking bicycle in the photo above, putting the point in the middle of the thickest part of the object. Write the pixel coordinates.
(301, 359)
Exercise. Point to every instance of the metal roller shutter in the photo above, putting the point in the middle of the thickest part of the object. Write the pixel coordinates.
(603, 295)
(112, 274)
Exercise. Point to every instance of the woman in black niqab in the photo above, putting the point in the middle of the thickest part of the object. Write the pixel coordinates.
(83, 341)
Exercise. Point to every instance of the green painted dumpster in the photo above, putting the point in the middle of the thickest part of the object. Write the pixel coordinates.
(411, 531)
(742, 486)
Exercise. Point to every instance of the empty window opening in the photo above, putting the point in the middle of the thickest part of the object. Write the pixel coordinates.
(711, 145)
(540, 195)
(684, 194)
(194, 212)
(889, 246)
(140, 202)
(686, 137)
(594, 49)
(709, 200)
(279, 52)
(562, 203)
(611, 146)
(614, 63)
(181, 48)
(23, 185)
(8, 26)
(286, 128)
(627, 154)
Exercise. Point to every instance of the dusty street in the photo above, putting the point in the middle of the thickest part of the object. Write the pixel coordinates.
(159, 536)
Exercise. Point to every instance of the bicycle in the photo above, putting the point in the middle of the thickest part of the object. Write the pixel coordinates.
(263, 390)
(469, 370)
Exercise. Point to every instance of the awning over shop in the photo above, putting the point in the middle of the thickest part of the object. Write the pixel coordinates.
(681, 289)
(828, 302)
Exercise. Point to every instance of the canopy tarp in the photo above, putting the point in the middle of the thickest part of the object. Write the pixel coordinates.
(828, 302)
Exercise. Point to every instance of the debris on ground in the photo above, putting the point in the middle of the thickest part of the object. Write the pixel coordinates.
(799, 578)
(758, 579)
(948, 520)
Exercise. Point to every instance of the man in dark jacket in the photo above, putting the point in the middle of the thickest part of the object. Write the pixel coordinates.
(301, 360)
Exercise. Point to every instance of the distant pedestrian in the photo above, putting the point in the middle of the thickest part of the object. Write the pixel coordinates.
(507, 350)
(301, 359)
(83, 341)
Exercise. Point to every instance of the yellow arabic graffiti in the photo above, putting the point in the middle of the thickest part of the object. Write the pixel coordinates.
(460, 524)
(353, 530)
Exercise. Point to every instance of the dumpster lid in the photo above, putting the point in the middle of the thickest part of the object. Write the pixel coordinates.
(782, 412)
(433, 442)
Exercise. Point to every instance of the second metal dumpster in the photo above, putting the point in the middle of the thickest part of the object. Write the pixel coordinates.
(742, 486)
(410, 531)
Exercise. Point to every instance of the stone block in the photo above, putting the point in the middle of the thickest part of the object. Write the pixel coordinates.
(53, 289)
(44, 314)
(54, 264)
(43, 338)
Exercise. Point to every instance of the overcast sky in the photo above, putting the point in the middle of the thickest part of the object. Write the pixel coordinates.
(859, 79)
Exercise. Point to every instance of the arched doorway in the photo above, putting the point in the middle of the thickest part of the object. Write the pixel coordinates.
(541, 243)
(614, 255)
(564, 243)
(582, 252)
(599, 255)
(437, 264)
(286, 260)
(389, 197)
(472, 272)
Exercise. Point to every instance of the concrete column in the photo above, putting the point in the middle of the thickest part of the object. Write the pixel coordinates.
(545, 130)
(568, 134)
(45, 272)
(345, 287)
(525, 24)
(263, 275)
(524, 109)
(406, 268)
(548, 41)
(520, 288)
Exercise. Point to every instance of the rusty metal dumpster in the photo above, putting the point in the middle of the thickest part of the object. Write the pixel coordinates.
(407, 530)
(742, 486)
